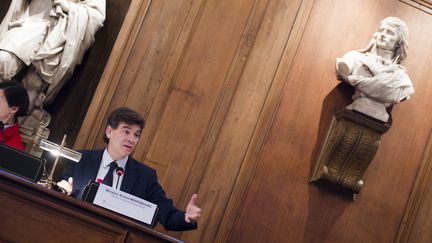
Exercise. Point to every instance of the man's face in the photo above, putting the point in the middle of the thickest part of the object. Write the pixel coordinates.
(7, 113)
(386, 37)
(122, 140)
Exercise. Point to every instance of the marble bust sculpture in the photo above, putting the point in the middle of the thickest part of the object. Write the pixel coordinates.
(375, 72)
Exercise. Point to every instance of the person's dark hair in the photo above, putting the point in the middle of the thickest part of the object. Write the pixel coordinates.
(125, 115)
(16, 95)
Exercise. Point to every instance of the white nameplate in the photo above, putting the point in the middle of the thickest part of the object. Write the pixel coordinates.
(125, 204)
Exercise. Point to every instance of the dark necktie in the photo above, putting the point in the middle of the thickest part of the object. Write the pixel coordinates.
(108, 179)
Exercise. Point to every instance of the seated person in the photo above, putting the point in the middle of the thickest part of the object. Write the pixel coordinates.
(14, 103)
(122, 132)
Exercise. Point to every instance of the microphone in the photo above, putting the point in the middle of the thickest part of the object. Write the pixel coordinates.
(119, 171)
(2, 132)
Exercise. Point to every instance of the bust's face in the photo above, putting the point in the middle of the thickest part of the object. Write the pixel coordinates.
(386, 37)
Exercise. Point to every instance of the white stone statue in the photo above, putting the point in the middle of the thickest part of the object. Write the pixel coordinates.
(51, 37)
(375, 72)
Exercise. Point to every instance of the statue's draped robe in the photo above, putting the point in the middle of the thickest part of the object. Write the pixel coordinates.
(390, 86)
(54, 45)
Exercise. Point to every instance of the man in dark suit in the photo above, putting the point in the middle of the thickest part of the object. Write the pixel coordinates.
(122, 132)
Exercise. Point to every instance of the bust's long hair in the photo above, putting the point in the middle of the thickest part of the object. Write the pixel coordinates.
(401, 48)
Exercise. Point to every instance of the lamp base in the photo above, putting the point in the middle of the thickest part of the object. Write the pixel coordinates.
(50, 184)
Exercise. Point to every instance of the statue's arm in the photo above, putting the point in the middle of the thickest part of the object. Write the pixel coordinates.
(342, 70)
(345, 65)
(406, 89)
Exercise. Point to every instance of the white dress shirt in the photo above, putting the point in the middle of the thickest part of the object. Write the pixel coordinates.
(104, 167)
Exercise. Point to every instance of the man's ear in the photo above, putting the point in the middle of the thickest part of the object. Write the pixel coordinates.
(14, 109)
(108, 131)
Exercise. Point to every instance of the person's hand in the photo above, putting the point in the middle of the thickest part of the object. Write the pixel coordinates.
(66, 186)
(193, 212)
(63, 4)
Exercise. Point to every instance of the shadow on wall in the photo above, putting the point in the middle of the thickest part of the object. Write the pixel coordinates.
(326, 202)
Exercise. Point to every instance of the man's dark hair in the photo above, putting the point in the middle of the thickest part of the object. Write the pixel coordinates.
(125, 115)
(16, 96)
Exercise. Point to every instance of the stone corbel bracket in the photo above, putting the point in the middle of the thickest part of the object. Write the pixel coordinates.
(349, 147)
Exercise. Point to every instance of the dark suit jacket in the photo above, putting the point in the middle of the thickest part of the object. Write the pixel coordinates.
(139, 180)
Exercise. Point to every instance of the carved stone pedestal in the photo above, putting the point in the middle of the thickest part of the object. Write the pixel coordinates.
(31, 139)
(348, 149)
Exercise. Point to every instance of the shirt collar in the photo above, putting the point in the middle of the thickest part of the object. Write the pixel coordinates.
(11, 130)
(106, 160)
(6, 126)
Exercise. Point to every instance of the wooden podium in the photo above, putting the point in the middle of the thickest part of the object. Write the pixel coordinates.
(32, 213)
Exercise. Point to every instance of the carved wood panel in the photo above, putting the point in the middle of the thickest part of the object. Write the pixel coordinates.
(280, 205)
(424, 5)
(194, 71)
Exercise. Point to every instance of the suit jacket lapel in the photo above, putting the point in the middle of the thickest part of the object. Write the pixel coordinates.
(87, 171)
(130, 176)
(92, 167)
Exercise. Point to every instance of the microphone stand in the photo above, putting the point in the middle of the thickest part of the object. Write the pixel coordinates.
(118, 179)
(119, 172)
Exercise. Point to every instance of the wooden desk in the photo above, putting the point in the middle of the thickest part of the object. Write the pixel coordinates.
(32, 213)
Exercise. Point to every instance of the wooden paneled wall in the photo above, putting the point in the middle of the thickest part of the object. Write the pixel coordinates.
(279, 185)
(238, 96)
